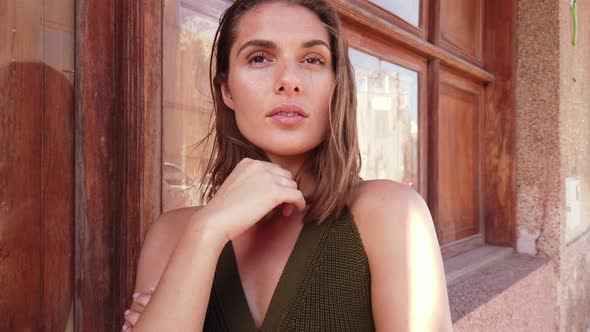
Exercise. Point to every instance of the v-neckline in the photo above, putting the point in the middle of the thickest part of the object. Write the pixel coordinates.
(229, 289)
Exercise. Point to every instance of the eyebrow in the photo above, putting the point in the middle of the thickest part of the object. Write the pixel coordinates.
(270, 44)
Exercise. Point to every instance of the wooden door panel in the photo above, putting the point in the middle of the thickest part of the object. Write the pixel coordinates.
(499, 135)
(20, 196)
(36, 165)
(21, 121)
(461, 27)
(457, 146)
(36, 197)
(58, 201)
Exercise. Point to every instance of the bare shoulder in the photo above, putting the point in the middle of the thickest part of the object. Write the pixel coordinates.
(400, 240)
(391, 218)
(384, 203)
(159, 244)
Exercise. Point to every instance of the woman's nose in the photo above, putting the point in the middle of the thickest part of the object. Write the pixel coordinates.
(288, 81)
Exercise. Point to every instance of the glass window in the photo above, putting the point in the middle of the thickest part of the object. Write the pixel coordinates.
(189, 29)
(408, 10)
(387, 119)
(387, 93)
(37, 164)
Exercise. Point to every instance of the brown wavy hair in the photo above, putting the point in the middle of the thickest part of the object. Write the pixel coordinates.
(335, 162)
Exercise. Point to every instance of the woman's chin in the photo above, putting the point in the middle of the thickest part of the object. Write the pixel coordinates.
(284, 150)
(287, 152)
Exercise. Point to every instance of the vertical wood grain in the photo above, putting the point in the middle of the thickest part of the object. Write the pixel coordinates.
(499, 166)
(21, 140)
(58, 200)
(461, 28)
(139, 83)
(96, 193)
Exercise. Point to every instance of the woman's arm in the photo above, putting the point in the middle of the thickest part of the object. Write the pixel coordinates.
(408, 287)
(182, 294)
(196, 239)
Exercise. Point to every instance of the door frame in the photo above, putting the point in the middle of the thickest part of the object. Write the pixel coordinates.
(118, 152)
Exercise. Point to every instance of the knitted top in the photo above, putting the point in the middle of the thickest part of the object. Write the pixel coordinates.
(325, 286)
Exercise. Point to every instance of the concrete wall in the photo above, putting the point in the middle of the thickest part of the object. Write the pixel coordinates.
(539, 210)
(553, 147)
(574, 133)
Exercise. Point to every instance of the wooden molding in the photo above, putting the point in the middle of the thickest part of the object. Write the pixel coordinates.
(461, 246)
(433, 104)
(392, 33)
(95, 164)
(139, 54)
(499, 133)
(450, 43)
(387, 16)
(118, 152)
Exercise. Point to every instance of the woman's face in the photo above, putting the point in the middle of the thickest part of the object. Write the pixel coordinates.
(280, 79)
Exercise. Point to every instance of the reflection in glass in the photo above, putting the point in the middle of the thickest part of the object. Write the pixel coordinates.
(408, 10)
(37, 106)
(189, 29)
(387, 119)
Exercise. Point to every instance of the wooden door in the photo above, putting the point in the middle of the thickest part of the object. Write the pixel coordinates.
(77, 158)
(36, 165)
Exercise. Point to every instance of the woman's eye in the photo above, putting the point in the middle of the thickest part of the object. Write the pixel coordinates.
(257, 58)
(315, 60)
(261, 58)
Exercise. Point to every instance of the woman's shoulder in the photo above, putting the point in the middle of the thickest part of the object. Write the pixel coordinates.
(158, 245)
(382, 197)
(383, 210)
(402, 248)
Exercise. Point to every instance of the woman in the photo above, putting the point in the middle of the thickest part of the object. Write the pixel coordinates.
(290, 238)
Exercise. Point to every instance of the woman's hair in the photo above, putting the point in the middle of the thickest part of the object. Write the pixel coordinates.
(335, 163)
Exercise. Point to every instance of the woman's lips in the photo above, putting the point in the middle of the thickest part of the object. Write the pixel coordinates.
(288, 118)
(288, 114)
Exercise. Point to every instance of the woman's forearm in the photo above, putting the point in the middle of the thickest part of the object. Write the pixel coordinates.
(182, 296)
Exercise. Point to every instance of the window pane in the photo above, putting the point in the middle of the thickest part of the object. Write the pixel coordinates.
(37, 164)
(189, 29)
(408, 10)
(387, 119)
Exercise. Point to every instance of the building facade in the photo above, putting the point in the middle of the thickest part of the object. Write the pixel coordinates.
(481, 106)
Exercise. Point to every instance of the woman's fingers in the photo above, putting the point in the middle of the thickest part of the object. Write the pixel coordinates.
(279, 171)
(142, 299)
(287, 209)
(275, 169)
(293, 196)
(286, 182)
(251, 192)
(131, 317)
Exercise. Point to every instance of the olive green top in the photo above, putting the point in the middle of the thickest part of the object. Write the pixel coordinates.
(325, 285)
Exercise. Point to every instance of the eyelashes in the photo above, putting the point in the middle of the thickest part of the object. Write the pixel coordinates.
(260, 58)
(316, 57)
(256, 56)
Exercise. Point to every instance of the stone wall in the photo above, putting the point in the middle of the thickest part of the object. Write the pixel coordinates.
(553, 148)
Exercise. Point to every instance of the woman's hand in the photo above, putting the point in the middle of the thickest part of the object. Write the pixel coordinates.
(140, 301)
(252, 190)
